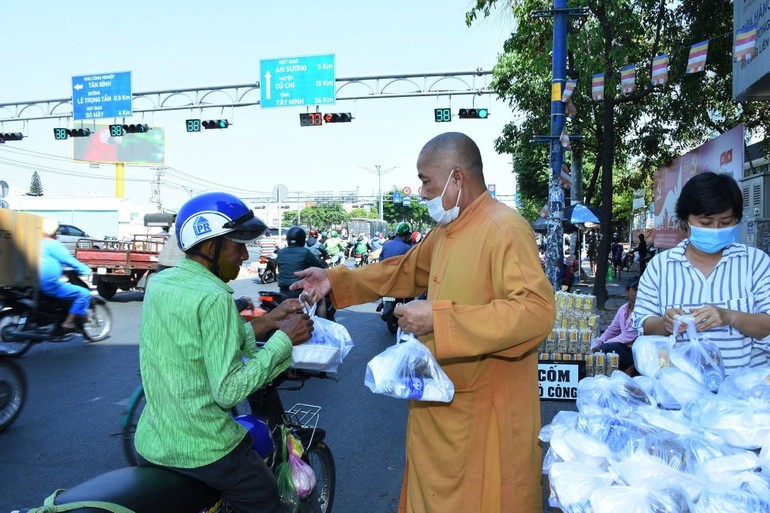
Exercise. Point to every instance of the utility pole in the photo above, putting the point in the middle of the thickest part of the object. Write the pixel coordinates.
(156, 182)
(554, 258)
(379, 172)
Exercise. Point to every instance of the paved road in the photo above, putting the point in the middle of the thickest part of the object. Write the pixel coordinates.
(69, 429)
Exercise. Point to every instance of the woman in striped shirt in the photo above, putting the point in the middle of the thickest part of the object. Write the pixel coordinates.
(725, 285)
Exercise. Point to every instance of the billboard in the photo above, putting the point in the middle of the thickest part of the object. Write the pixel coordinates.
(722, 155)
(751, 79)
(100, 146)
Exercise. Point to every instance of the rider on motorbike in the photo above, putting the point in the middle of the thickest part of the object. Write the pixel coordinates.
(294, 257)
(399, 244)
(314, 245)
(198, 358)
(336, 248)
(52, 255)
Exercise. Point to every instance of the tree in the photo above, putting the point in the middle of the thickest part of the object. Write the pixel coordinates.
(35, 185)
(626, 136)
(324, 215)
(362, 213)
(414, 214)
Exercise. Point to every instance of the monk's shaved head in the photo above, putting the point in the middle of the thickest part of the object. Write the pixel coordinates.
(452, 150)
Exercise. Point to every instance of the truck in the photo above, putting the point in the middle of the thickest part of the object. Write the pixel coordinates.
(126, 264)
(357, 226)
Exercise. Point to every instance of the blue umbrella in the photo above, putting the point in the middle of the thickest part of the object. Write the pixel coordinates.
(577, 214)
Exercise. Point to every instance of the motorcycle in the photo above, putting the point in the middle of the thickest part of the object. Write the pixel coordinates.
(267, 269)
(361, 259)
(27, 317)
(267, 413)
(13, 391)
(629, 258)
(387, 312)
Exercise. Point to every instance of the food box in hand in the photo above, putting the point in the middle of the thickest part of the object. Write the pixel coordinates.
(314, 356)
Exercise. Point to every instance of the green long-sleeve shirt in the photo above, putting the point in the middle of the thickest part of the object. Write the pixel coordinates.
(191, 350)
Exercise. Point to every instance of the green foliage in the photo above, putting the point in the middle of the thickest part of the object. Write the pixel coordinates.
(362, 213)
(35, 185)
(414, 214)
(322, 215)
(650, 126)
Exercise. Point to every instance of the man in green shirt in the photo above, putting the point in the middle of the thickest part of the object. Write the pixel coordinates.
(198, 358)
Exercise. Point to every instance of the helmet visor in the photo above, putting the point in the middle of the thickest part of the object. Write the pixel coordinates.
(247, 231)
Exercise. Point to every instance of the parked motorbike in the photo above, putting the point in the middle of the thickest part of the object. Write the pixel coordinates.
(267, 269)
(13, 391)
(629, 257)
(28, 317)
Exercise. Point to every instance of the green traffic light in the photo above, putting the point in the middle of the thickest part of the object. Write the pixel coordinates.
(483, 113)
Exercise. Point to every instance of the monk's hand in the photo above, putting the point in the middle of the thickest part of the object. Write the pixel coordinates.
(415, 316)
(313, 278)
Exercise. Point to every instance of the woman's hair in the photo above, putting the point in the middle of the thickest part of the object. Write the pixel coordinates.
(709, 193)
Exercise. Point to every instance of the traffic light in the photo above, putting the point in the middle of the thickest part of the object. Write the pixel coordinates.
(474, 114)
(310, 119)
(215, 124)
(342, 117)
(61, 134)
(121, 130)
(11, 136)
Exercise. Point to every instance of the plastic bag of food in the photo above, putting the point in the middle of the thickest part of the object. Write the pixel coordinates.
(748, 382)
(675, 388)
(617, 393)
(571, 485)
(326, 349)
(639, 499)
(698, 356)
(408, 370)
(741, 423)
(302, 476)
(728, 500)
(651, 353)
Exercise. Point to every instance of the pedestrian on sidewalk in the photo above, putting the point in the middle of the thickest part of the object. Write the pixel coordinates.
(641, 250)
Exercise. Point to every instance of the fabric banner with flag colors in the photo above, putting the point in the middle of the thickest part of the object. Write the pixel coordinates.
(660, 69)
(697, 60)
(597, 87)
(628, 79)
(569, 88)
(745, 43)
(570, 110)
(564, 138)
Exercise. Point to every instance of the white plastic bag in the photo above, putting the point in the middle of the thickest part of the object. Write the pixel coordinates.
(326, 349)
(408, 370)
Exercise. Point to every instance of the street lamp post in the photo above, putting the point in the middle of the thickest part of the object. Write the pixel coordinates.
(379, 172)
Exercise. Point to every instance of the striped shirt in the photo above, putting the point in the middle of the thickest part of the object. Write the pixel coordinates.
(191, 349)
(740, 281)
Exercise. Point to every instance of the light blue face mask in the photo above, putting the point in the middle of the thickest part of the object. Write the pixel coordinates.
(713, 240)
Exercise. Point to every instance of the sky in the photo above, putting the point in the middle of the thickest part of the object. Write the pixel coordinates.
(180, 44)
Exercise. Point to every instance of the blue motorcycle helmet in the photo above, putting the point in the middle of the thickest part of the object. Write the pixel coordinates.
(217, 216)
(260, 434)
(213, 214)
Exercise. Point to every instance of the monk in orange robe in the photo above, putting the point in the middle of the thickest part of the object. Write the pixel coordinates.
(488, 306)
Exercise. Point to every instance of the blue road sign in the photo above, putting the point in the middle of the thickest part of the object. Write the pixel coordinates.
(107, 95)
(297, 81)
(397, 197)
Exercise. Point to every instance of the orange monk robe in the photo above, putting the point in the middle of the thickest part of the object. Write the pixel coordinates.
(492, 305)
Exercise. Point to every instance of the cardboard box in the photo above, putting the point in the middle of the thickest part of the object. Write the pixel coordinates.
(20, 236)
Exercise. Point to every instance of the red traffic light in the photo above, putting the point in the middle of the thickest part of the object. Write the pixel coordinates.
(341, 117)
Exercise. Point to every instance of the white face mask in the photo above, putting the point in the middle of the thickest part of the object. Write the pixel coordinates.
(436, 207)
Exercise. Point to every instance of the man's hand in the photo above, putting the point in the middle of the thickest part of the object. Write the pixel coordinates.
(415, 316)
(298, 327)
(313, 279)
